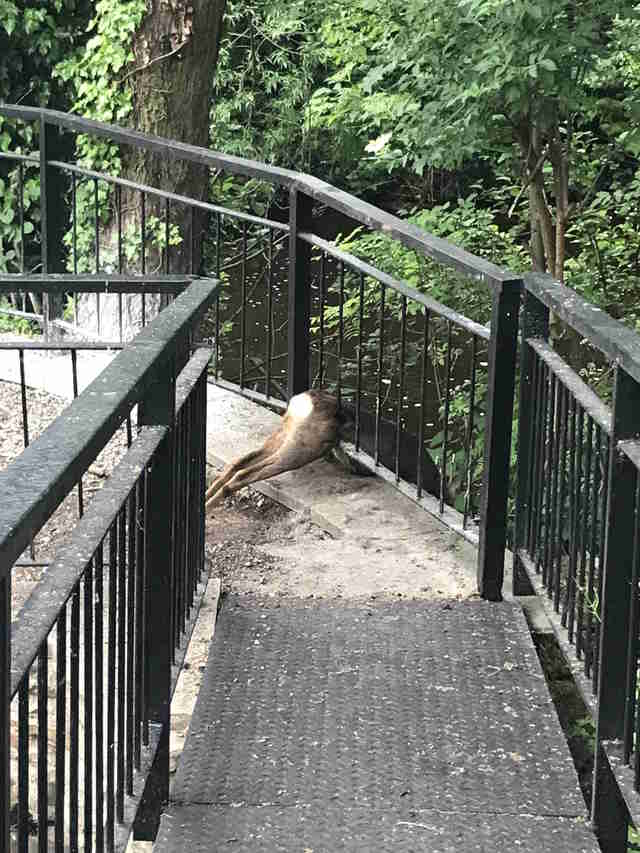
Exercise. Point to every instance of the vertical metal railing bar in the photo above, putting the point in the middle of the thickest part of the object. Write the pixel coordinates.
(593, 527)
(144, 674)
(202, 426)
(340, 332)
(120, 258)
(121, 641)
(201, 461)
(445, 433)
(551, 447)
(25, 424)
(128, 430)
(143, 252)
(111, 686)
(360, 345)
(188, 531)
(218, 250)
(323, 273)
(61, 726)
(557, 530)
(98, 622)
(193, 493)
(584, 527)
(186, 515)
(23, 397)
(545, 388)
(74, 231)
(192, 239)
(501, 374)
(403, 349)
(376, 454)
(96, 205)
(299, 279)
(630, 709)
(243, 305)
(43, 748)
(534, 435)
(74, 718)
(74, 378)
(195, 480)
(575, 478)
(636, 751)
(600, 564)
(556, 444)
(87, 610)
(575, 460)
(599, 509)
(139, 620)
(267, 381)
(187, 521)
(469, 437)
(131, 611)
(423, 401)
(5, 710)
(177, 538)
(21, 221)
(23, 816)
(173, 619)
(167, 230)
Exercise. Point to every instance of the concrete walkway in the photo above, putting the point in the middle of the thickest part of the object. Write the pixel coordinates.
(389, 545)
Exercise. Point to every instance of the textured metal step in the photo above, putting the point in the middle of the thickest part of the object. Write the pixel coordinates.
(408, 726)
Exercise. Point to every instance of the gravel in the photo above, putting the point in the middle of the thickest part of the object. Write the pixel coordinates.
(42, 409)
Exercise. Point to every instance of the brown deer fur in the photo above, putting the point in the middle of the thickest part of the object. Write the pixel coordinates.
(309, 429)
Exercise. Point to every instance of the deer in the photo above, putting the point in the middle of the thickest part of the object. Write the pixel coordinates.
(312, 426)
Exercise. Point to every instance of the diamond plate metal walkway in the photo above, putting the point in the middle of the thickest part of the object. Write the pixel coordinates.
(411, 726)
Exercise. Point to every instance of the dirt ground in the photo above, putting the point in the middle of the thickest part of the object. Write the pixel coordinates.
(238, 535)
(254, 545)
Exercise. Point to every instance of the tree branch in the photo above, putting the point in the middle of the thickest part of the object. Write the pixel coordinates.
(530, 177)
(153, 61)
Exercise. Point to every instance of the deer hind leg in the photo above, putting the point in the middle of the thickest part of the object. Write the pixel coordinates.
(229, 472)
(262, 470)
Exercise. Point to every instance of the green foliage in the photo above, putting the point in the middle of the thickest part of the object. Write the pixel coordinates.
(11, 248)
(34, 36)
(448, 80)
(16, 325)
(97, 75)
(266, 70)
(584, 728)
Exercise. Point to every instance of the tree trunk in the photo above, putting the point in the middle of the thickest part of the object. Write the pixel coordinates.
(176, 52)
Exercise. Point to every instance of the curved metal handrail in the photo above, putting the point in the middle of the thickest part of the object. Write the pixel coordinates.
(367, 214)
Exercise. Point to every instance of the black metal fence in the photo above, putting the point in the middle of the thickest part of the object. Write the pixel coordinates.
(99, 643)
(272, 327)
(432, 391)
(577, 523)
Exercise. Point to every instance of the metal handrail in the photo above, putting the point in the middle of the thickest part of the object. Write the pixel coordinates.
(404, 232)
(46, 471)
(617, 342)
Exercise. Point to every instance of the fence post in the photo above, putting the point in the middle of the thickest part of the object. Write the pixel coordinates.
(158, 409)
(53, 221)
(5, 707)
(298, 363)
(497, 447)
(607, 813)
(535, 324)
